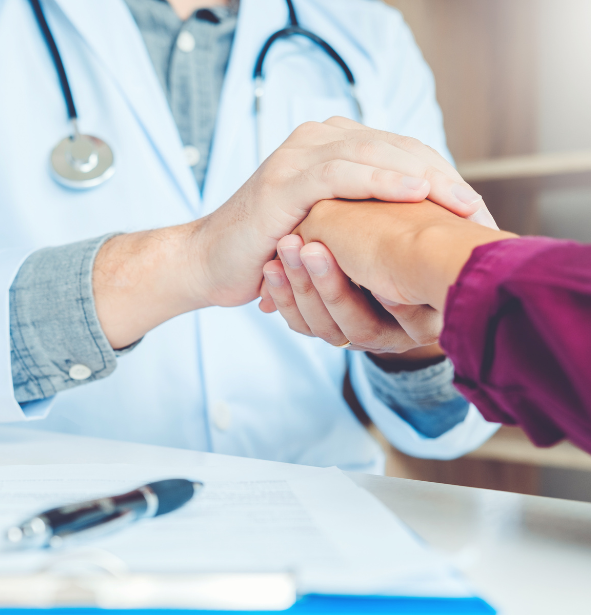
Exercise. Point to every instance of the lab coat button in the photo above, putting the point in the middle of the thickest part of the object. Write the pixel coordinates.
(222, 417)
(80, 372)
(186, 41)
(192, 155)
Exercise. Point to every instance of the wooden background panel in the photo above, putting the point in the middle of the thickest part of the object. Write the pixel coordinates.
(483, 55)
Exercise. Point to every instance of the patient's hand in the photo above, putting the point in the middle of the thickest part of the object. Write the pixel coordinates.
(317, 298)
(383, 247)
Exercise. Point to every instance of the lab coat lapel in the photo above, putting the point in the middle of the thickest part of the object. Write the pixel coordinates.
(111, 33)
(235, 128)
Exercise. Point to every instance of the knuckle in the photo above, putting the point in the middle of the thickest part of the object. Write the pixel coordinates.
(329, 334)
(377, 175)
(307, 129)
(330, 170)
(278, 169)
(284, 303)
(303, 288)
(408, 143)
(367, 149)
(335, 120)
(333, 298)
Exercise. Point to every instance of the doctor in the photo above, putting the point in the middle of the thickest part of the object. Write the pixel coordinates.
(153, 80)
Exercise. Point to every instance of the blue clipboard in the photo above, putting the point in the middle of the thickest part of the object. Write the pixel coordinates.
(309, 605)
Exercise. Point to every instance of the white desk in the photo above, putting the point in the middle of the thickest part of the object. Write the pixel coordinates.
(526, 555)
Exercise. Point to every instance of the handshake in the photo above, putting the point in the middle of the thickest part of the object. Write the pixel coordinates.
(370, 228)
(371, 275)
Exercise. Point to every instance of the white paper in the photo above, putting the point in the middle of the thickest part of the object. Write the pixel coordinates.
(315, 523)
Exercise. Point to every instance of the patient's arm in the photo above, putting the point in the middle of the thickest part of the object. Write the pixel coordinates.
(403, 253)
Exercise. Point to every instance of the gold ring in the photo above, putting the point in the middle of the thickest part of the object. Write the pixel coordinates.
(347, 344)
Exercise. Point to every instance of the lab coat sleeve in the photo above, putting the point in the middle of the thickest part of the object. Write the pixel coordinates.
(425, 398)
(10, 409)
(55, 339)
(467, 435)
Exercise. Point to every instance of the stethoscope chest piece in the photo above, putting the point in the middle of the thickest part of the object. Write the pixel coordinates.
(82, 161)
(78, 161)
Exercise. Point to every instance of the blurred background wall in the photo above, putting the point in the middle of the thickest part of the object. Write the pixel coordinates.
(514, 82)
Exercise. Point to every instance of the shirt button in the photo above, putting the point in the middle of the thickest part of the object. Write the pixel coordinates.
(222, 416)
(186, 41)
(80, 372)
(192, 155)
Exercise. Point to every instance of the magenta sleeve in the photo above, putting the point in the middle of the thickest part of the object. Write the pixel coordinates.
(518, 330)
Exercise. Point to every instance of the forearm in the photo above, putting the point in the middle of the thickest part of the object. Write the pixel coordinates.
(408, 253)
(74, 307)
(141, 280)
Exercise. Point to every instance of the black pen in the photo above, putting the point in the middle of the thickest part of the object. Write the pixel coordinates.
(97, 517)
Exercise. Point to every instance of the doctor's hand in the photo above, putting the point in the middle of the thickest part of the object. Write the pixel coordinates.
(335, 159)
(406, 254)
(316, 298)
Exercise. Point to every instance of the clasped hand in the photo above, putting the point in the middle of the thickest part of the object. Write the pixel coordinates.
(143, 279)
(317, 298)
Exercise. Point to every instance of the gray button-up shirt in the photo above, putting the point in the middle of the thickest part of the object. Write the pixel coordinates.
(56, 339)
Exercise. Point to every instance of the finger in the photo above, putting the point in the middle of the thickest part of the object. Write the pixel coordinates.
(364, 323)
(281, 294)
(409, 144)
(484, 217)
(349, 180)
(476, 210)
(309, 303)
(266, 305)
(422, 322)
(416, 178)
(340, 139)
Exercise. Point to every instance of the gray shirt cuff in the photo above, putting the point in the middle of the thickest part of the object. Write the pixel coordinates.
(56, 339)
(426, 398)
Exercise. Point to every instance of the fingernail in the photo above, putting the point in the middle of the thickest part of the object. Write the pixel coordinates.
(274, 278)
(484, 217)
(291, 255)
(465, 194)
(414, 183)
(316, 263)
(385, 301)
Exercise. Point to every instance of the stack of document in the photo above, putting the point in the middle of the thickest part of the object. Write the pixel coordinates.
(316, 524)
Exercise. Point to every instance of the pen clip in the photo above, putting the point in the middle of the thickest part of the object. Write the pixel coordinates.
(108, 524)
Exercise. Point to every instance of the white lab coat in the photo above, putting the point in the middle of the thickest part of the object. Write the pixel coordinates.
(231, 381)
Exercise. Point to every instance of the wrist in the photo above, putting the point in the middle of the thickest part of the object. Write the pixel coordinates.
(140, 280)
(442, 250)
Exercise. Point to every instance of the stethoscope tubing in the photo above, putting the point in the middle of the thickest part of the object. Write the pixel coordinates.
(299, 31)
(293, 29)
(57, 60)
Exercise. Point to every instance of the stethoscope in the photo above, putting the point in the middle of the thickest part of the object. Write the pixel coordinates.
(78, 161)
(83, 161)
(294, 29)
